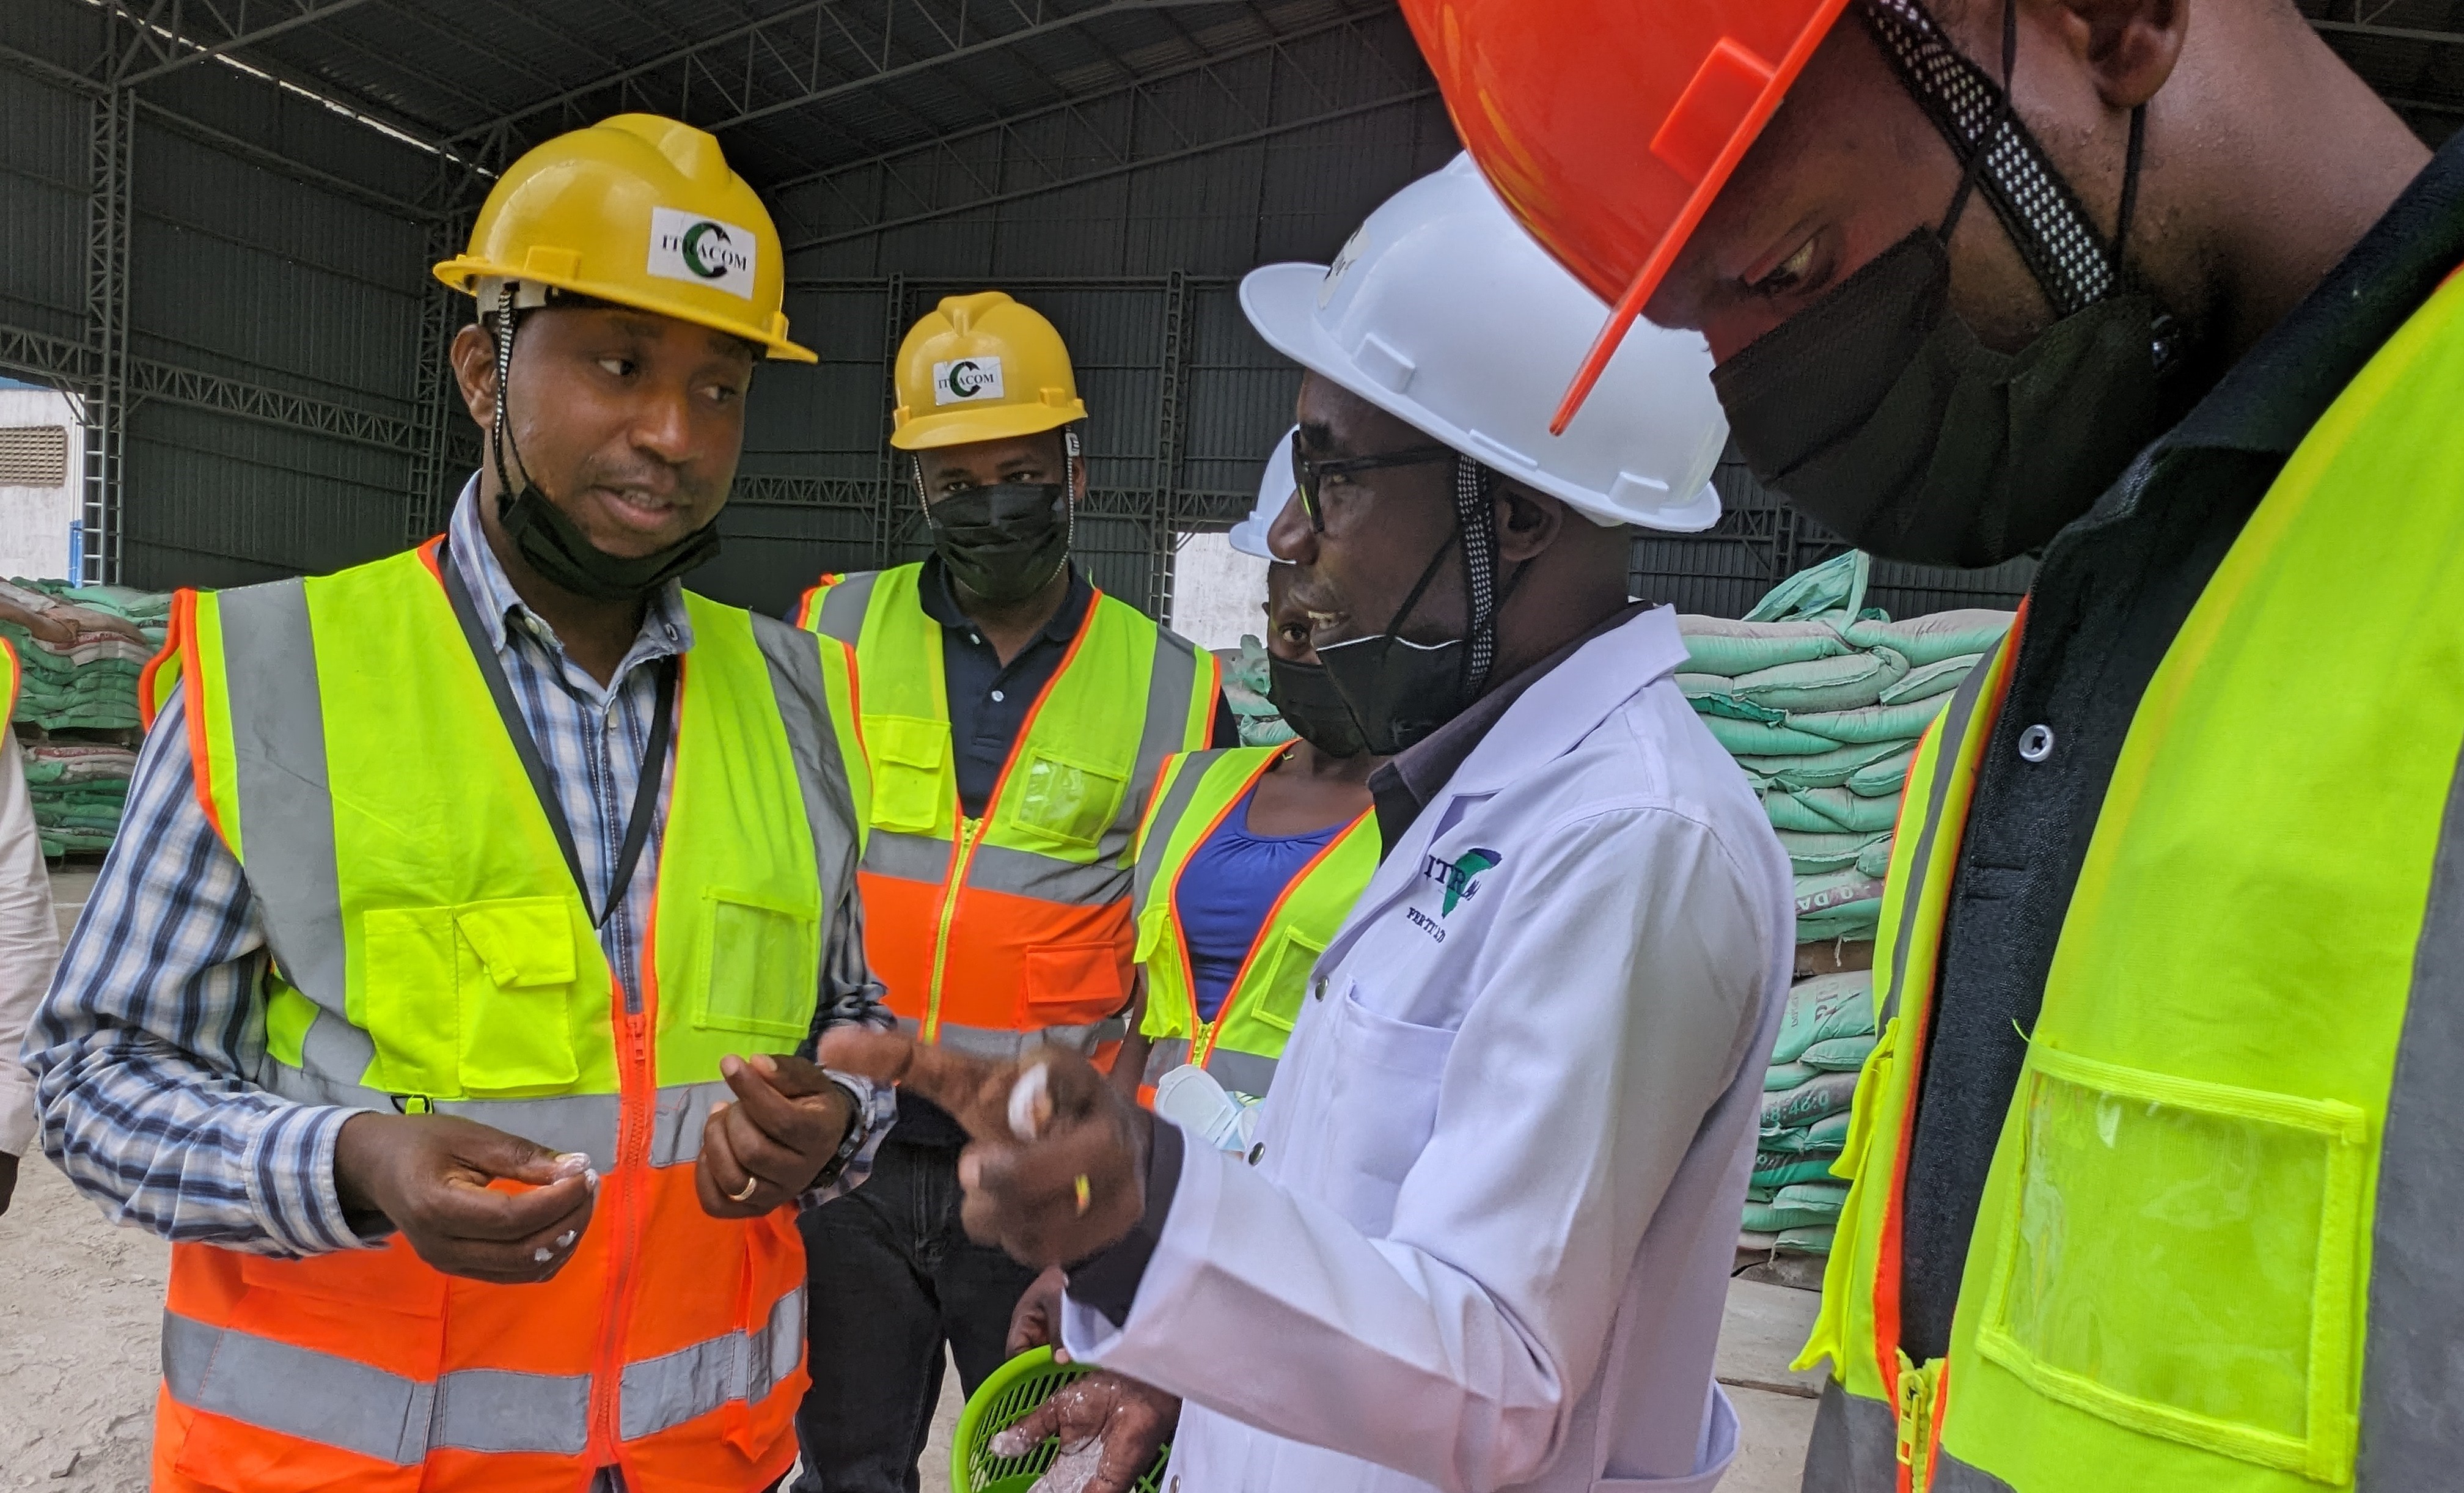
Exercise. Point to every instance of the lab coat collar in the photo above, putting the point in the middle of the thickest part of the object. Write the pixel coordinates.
(1567, 703)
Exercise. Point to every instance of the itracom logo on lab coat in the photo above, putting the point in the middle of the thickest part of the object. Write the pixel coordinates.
(1460, 876)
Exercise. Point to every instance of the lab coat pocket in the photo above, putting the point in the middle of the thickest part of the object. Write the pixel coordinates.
(1388, 1072)
(1720, 1439)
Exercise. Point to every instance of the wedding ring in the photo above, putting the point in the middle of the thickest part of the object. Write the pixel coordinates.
(1086, 1193)
(744, 1194)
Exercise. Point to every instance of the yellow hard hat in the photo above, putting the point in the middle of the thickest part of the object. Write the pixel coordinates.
(981, 367)
(639, 210)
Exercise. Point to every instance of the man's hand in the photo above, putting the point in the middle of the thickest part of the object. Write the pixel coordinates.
(430, 1174)
(767, 1148)
(1036, 1320)
(1132, 1420)
(8, 1181)
(1057, 1169)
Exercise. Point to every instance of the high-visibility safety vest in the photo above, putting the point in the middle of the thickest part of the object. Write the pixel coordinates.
(12, 674)
(2185, 1273)
(430, 953)
(994, 933)
(1241, 1044)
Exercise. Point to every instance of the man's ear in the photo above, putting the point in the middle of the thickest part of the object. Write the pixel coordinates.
(474, 356)
(1528, 523)
(2129, 47)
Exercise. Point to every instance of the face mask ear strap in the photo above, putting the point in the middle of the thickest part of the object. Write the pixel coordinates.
(1477, 525)
(499, 437)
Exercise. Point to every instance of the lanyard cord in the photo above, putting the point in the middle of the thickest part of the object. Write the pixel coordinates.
(654, 756)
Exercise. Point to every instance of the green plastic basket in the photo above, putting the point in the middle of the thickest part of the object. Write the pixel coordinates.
(1015, 1388)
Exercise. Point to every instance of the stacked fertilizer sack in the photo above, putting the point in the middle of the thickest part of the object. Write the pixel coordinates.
(1821, 700)
(81, 649)
(1244, 690)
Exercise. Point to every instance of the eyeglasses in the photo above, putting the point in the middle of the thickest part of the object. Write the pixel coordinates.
(1307, 473)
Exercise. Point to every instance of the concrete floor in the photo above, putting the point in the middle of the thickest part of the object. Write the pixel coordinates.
(80, 1303)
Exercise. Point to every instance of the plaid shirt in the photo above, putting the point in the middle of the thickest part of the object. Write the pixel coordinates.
(143, 1050)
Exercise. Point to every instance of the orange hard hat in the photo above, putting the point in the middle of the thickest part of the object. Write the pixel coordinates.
(1609, 125)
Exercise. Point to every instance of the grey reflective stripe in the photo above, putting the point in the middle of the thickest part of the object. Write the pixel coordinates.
(1023, 873)
(667, 1391)
(1027, 874)
(891, 853)
(1855, 1446)
(1166, 731)
(286, 806)
(984, 1042)
(676, 1122)
(1950, 1474)
(843, 605)
(1242, 1072)
(1167, 1054)
(1166, 815)
(338, 1401)
(2412, 1371)
(812, 741)
(587, 1123)
(1956, 720)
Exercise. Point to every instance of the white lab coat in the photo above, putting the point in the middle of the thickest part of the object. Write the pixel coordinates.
(29, 942)
(1488, 1237)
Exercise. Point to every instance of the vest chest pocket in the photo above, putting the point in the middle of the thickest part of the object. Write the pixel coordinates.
(764, 967)
(1277, 1003)
(907, 754)
(2178, 1258)
(1066, 799)
(473, 998)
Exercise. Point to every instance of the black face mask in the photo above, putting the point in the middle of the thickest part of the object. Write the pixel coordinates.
(1400, 692)
(558, 549)
(553, 544)
(1002, 543)
(1305, 696)
(1879, 413)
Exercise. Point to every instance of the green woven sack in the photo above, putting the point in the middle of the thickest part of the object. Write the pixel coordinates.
(1873, 723)
(1756, 738)
(1859, 922)
(1822, 1008)
(1763, 1218)
(1828, 811)
(1779, 1169)
(1822, 1138)
(1875, 860)
(1786, 1075)
(1840, 1054)
(1810, 853)
(1718, 645)
(1817, 1098)
(1823, 684)
(1824, 1197)
(1884, 777)
(1838, 768)
(1932, 638)
(1805, 1241)
(1926, 681)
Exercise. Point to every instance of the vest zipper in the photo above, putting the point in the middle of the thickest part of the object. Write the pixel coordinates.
(625, 1190)
(959, 854)
(1918, 1393)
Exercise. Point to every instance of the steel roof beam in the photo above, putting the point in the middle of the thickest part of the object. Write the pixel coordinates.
(800, 43)
(164, 30)
(2386, 32)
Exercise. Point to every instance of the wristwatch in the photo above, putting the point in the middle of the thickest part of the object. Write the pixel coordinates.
(859, 1127)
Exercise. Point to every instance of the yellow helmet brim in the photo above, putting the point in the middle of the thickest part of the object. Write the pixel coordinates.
(966, 425)
(463, 272)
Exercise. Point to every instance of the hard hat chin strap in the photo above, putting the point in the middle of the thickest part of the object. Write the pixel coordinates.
(1476, 523)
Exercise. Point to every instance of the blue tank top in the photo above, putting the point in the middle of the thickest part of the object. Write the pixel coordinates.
(1226, 890)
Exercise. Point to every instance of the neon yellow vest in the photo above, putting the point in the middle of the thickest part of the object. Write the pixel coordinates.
(1241, 1044)
(2184, 1260)
(998, 932)
(432, 945)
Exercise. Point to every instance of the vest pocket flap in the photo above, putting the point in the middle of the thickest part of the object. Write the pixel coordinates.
(1295, 955)
(524, 942)
(908, 741)
(1066, 799)
(909, 759)
(1071, 984)
(764, 967)
(2178, 1258)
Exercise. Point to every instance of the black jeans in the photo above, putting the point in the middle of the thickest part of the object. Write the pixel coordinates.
(894, 1277)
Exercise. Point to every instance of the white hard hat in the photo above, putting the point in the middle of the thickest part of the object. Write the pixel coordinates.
(1443, 312)
(1274, 490)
